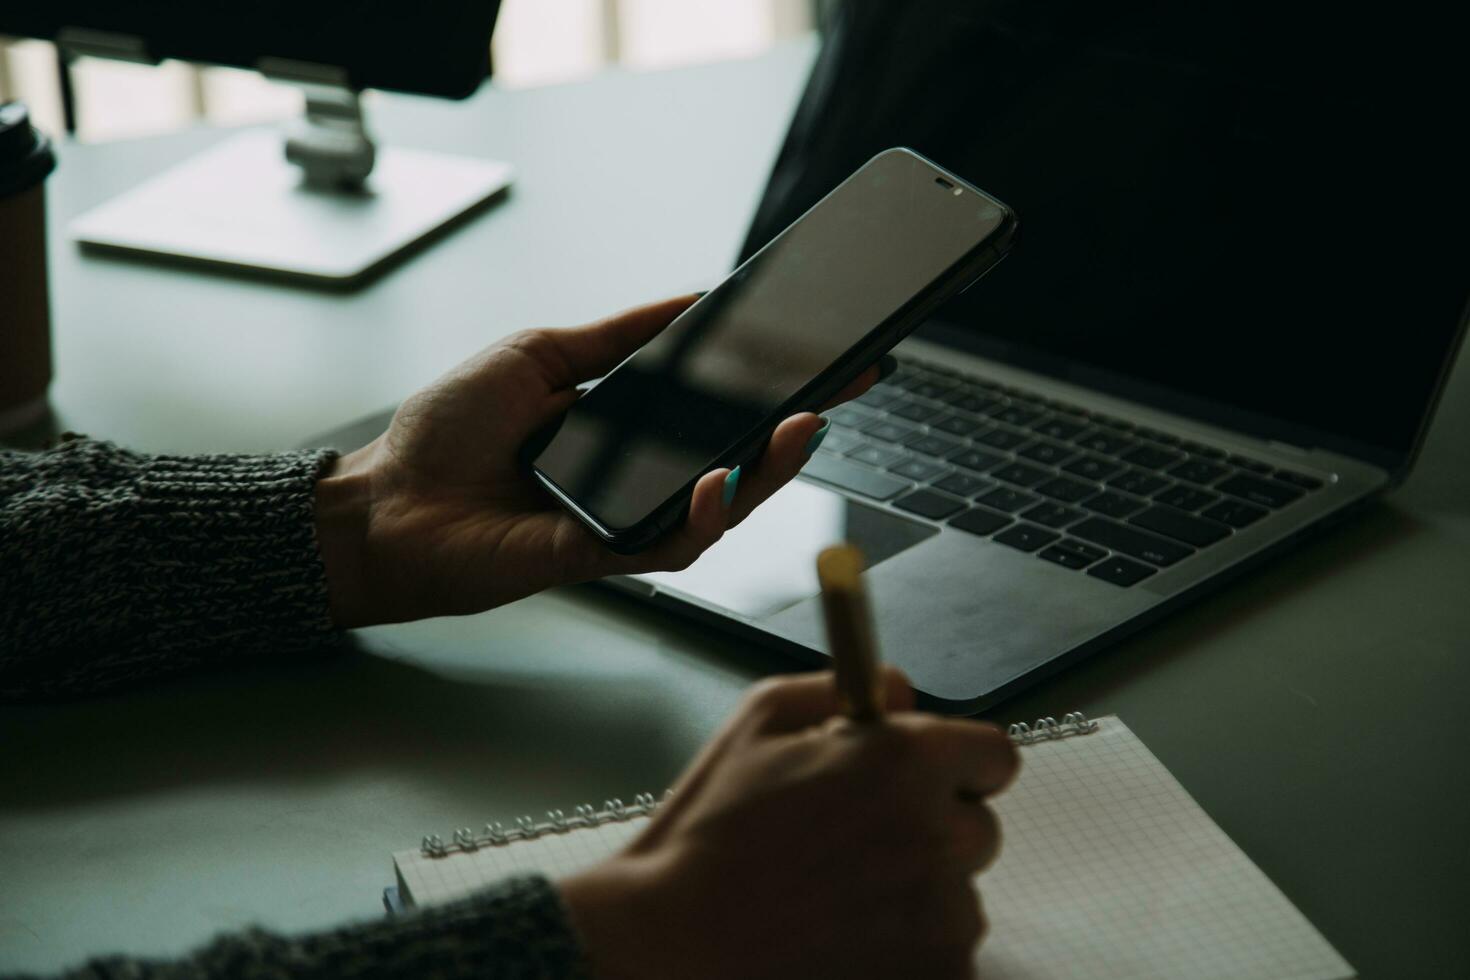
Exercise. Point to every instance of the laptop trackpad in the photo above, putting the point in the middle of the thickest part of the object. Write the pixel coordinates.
(769, 561)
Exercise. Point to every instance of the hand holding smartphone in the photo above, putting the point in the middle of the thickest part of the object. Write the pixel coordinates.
(783, 334)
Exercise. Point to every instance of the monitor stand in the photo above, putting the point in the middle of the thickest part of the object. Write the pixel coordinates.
(331, 209)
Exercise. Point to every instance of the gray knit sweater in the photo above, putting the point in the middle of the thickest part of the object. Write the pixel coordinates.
(115, 566)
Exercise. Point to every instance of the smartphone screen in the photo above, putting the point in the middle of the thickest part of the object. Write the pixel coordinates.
(735, 360)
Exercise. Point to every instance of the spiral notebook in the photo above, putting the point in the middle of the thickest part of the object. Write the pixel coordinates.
(1109, 869)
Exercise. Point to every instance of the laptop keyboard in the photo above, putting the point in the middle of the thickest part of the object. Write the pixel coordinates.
(1085, 491)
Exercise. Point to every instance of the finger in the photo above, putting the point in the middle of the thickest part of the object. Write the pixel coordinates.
(977, 836)
(791, 445)
(854, 388)
(797, 701)
(776, 705)
(709, 516)
(591, 351)
(972, 759)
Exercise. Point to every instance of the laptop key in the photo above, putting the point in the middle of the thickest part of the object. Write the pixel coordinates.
(932, 445)
(1020, 474)
(1254, 465)
(927, 503)
(879, 456)
(971, 401)
(914, 411)
(916, 469)
(1139, 482)
(1017, 413)
(1114, 504)
(1129, 541)
(978, 520)
(1093, 467)
(963, 484)
(1180, 526)
(1081, 550)
(1235, 513)
(1200, 449)
(1200, 471)
(908, 376)
(1152, 457)
(1103, 441)
(1258, 491)
(888, 430)
(1006, 499)
(840, 441)
(1024, 398)
(1298, 480)
(850, 476)
(974, 459)
(958, 425)
(1063, 557)
(1072, 554)
(1002, 438)
(1059, 427)
(878, 397)
(1053, 515)
(1047, 452)
(1163, 438)
(1026, 537)
(1186, 497)
(932, 387)
(1066, 489)
(1120, 571)
(849, 414)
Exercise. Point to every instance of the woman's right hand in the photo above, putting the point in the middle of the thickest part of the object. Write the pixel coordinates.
(802, 845)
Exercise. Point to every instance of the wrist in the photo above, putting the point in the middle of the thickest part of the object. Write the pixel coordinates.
(343, 505)
(613, 907)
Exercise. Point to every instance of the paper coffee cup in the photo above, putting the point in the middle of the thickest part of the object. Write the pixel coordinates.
(26, 160)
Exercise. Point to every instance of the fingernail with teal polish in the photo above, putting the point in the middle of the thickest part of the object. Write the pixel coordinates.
(887, 364)
(818, 436)
(732, 481)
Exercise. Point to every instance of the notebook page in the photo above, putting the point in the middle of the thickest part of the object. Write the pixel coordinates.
(1108, 868)
(429, 880)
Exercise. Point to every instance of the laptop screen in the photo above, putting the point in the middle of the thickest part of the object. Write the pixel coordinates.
(1253, 219)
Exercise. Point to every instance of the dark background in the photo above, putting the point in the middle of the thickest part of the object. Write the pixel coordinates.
(1259, 208)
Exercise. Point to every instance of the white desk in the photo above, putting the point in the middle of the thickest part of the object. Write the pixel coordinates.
(1314, 710)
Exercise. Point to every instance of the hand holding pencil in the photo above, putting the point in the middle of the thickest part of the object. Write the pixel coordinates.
(795, 848)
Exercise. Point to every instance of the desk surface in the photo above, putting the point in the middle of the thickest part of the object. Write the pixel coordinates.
(1313, 709)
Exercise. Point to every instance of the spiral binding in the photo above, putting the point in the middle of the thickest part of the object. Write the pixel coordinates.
(465, 840)
(1049, 729)
(496, 834)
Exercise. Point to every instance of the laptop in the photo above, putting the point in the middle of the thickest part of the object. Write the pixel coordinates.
(1241, 282)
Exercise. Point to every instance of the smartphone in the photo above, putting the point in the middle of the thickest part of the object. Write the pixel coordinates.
(783, 334)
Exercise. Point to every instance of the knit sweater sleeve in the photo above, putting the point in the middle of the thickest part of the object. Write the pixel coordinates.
(116, 565)
(517, 930)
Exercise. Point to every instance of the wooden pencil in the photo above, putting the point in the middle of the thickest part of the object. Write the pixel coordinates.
(850, 637)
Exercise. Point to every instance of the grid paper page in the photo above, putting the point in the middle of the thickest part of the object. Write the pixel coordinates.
(1109, 868)
(429, 880)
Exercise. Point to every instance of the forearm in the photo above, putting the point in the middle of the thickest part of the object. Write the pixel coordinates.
(116, 565)
(516, 930)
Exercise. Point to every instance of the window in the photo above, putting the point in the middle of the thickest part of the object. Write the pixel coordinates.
(537, 42)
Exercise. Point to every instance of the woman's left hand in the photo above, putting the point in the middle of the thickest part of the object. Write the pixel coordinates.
(438, 515)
